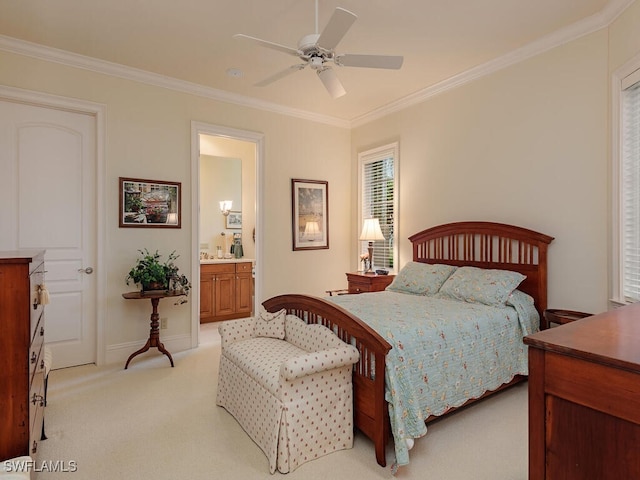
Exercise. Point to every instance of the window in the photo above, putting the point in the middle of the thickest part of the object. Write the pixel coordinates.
(378, 198)
(627, 189)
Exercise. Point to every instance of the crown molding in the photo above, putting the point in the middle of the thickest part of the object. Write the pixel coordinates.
(63, 57)
(579, 29)
(589, 25)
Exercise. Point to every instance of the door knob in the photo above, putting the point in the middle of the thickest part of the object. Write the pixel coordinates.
(87, 270)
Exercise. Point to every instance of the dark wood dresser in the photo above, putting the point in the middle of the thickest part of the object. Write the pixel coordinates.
(21, 352)
(584, 398)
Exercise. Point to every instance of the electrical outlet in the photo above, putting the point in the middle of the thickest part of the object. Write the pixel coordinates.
(163, 322)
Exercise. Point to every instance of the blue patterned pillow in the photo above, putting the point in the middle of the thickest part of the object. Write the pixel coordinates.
(480, 285)
(421, 278)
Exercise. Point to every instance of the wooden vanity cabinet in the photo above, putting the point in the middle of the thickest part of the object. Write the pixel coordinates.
(21, 353)
(226, 291)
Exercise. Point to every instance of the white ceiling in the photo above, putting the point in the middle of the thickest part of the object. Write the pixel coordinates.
(442, 41)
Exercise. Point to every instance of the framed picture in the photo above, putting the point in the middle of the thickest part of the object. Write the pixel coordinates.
(310, 214)
(149, 203)
(233, 220)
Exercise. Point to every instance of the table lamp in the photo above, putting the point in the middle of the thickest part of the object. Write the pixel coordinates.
(371, 232)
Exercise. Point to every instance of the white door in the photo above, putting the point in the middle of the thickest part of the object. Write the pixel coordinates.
(48, 201)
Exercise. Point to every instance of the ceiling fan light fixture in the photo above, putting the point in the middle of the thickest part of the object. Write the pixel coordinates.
(316, 63)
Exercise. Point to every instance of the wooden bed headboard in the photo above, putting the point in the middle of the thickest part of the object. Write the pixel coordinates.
(489, 245)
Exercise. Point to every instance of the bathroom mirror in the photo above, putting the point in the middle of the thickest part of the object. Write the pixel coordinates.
(220, 179)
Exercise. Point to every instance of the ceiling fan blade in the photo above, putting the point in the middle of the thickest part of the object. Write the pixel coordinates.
(281, 74)
(370, 61)
(331, 82)
(272, 45)
(339, 23)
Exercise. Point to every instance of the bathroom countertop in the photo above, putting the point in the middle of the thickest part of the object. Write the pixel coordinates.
(209, 261)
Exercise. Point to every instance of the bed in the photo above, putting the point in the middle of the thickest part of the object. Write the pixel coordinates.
(364, 320)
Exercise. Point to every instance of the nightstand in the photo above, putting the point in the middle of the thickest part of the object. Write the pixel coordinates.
(360, 282)
(553, 315)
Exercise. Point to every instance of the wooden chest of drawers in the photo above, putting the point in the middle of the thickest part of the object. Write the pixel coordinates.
(584, 398)
(21, 352)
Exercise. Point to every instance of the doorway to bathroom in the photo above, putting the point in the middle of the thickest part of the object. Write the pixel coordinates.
(227, 179)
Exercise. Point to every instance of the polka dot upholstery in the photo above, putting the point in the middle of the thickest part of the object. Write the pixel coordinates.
(18, 468)
(293, 396)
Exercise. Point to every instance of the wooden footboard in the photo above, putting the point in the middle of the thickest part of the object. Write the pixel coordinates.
(371, 415)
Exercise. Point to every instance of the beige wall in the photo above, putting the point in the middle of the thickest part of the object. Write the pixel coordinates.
(526, 145)
(148, 135)
(624, 37)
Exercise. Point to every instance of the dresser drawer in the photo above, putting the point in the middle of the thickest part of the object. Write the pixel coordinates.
(218, 268)
(36, 357)
(364, 282)
(36, 410)
(359, 287)
(243, 267)
(36, 280)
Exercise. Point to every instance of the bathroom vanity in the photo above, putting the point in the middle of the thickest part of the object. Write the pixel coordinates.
(226, 289)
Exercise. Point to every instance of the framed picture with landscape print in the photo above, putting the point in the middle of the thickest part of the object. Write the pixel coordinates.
(149, 203)
(233, 220)
(310, 214)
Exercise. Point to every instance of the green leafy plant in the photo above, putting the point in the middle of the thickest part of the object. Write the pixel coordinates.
(150, 268)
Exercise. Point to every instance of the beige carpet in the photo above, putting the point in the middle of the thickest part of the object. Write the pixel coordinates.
(156, 422)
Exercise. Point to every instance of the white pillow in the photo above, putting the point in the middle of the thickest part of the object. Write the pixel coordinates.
(270, 324)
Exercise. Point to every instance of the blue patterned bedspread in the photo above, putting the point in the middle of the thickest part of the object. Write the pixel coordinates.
(444, 352)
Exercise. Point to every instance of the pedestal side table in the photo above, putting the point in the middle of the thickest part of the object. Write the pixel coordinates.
(154, 332)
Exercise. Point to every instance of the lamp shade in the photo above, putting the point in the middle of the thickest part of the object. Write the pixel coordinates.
(371, 230)
(311, 230)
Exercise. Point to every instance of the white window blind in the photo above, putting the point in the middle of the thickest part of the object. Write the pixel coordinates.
(630, 187)
(378, 199)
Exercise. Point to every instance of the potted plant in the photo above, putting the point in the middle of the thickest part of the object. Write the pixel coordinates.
(151, 273)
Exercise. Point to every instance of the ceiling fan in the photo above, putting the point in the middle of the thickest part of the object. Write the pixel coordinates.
(317, 51)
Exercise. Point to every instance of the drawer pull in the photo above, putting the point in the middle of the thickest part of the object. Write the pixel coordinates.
(42, 331)
(42, 364)
(34, 357)
(37, 398)
(34, 449)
